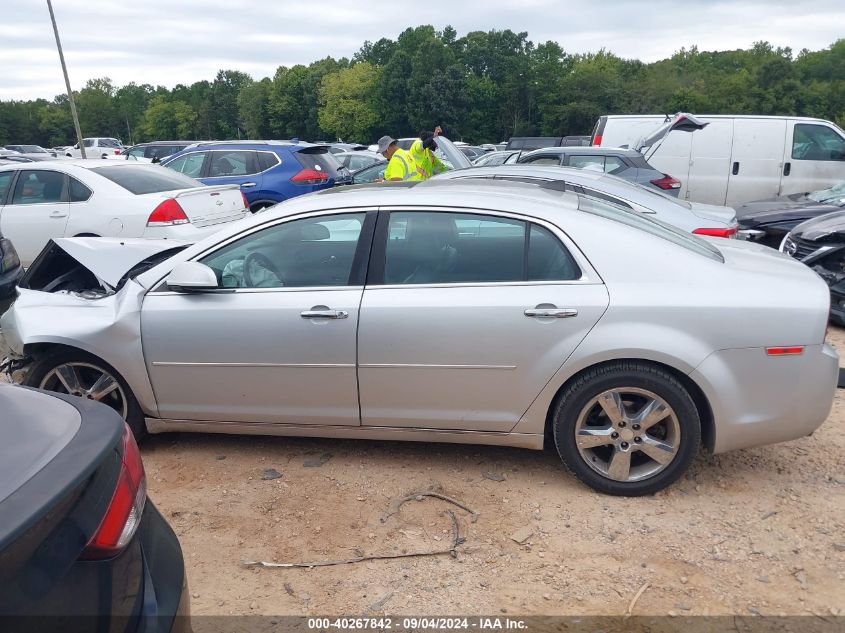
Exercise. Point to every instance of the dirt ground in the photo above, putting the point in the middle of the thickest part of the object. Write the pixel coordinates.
(758, 531)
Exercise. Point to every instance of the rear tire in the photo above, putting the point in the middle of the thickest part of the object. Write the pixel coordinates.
(74, 372)
(626, 428)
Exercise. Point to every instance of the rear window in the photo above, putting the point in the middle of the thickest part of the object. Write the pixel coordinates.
(318, 158)
(649, 225)
(108, 142)
(139, 179)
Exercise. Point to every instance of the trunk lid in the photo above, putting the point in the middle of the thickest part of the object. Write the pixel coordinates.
(210, 205)
(715, 213)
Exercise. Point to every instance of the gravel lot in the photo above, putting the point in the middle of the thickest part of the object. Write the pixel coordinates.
(755, 531)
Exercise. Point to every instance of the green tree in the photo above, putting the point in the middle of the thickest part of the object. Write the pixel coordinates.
(348, 102)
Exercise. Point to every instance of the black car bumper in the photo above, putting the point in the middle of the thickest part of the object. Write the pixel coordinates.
(165, 606)
(837, 308)
(8, 282)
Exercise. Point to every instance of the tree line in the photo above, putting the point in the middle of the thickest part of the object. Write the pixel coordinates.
(482, 87)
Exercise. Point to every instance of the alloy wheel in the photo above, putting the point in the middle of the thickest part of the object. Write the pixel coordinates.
(628, 434)
(88, 381)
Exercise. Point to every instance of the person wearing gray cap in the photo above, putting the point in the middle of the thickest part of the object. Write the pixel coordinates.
(400, 165)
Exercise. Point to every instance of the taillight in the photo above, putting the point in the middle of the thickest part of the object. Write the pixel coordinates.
(667, 182)
(123, 515)
(731, 232)
(117, 152)
(310, 177)
(785, 351)
(168, 213)
(597, 140)
(246, 202)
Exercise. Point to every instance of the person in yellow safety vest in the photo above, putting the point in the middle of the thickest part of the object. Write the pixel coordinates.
(400, 166)
(422, 151)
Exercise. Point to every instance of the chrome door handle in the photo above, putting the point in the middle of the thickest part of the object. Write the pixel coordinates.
(248, 184)
(324, 314)
(555, 313)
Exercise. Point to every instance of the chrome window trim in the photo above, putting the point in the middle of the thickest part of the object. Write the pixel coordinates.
(255, 173)
(241, 291)
(589, 275)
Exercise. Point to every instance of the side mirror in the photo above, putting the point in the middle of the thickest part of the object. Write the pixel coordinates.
(191, 277)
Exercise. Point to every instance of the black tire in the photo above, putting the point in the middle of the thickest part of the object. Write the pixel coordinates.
(622, 375)
(47, 362)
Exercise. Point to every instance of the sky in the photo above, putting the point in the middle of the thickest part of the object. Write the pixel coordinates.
(166, 42)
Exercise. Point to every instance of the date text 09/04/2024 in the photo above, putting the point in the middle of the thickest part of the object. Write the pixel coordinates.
(416, 623)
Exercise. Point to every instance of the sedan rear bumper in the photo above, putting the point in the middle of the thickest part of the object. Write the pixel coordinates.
(759, 399)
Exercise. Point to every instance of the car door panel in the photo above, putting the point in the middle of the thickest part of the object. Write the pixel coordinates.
(277, 344)
(465, 358)
(444, 339)
(249, 356)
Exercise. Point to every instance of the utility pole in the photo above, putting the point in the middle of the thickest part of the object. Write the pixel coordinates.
(67, 82)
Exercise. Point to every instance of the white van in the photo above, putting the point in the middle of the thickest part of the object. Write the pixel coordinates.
(734, 159)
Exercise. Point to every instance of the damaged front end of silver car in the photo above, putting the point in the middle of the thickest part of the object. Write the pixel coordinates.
(76, 290)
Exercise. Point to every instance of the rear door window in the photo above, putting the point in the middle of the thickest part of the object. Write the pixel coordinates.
(189, 164)
(266, 160)
(141, 179)
(448, 248)
(78, 191)
(232, 163)
(614, 165)
(817, 142)
(39, 187)
(591, 163)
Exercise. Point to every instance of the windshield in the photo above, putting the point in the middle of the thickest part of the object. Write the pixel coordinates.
(834, 195)
(649, 225)
(141, 179)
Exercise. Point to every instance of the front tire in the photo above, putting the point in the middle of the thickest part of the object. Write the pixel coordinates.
(77, 373)
(627, 428)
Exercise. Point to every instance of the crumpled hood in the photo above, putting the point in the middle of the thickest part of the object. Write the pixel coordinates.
(110, 258)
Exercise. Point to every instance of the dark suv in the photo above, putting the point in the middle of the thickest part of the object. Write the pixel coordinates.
(625, 163)
(268, 172)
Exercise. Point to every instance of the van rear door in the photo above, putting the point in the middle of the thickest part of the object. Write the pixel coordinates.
(709, 162)
(814, 157)
(756, 160)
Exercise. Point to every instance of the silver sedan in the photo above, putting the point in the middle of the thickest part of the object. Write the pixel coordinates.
(468, 311)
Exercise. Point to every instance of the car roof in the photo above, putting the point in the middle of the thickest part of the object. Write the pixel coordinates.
(85, 163)
(256, 144)
(167, 143)
(584, 149)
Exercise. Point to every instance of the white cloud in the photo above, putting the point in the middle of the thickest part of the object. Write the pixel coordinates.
(165, 42)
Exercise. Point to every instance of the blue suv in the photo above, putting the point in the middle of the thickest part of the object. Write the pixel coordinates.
(268, 172)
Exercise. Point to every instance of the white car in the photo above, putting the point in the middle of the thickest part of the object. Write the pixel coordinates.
(96, 147)
(40, 201)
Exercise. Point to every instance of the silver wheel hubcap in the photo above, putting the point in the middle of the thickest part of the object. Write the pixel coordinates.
(628, 434)
(87, 381)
